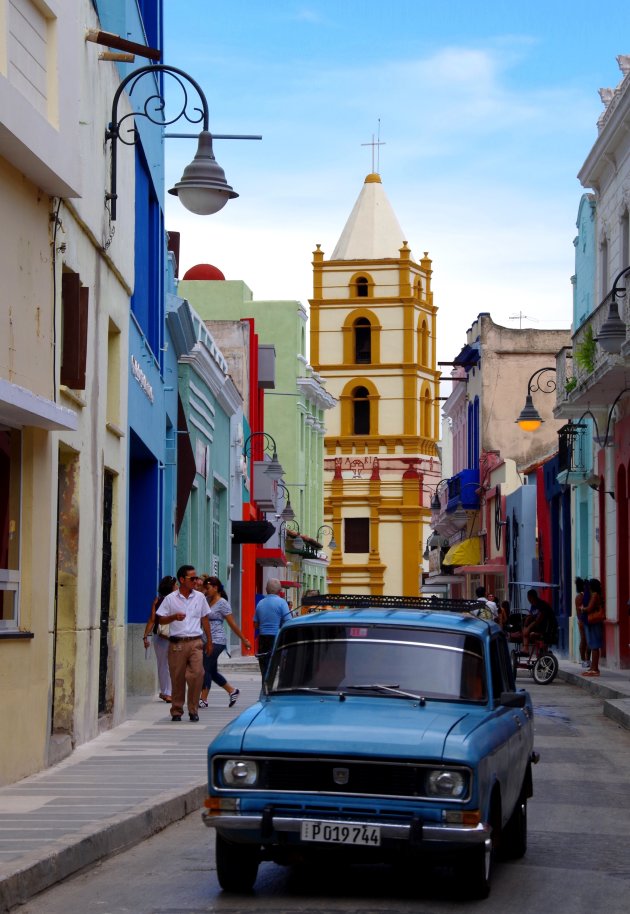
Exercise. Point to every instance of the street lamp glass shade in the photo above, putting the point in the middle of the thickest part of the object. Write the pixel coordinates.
(333, 544)
(288, 513)
(459, 517)
(436, 504)
(612, 333)
(274, 467)
(529, 419)
(202, 188)
(298, 543)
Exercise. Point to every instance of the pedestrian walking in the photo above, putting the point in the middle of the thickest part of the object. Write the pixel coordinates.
(160, 635)
(270, 613)
(186, 612)
(220, 612)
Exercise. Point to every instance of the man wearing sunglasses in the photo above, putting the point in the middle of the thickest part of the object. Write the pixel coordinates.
(186, 611)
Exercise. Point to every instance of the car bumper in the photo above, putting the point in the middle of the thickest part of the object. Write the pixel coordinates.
(266, 826)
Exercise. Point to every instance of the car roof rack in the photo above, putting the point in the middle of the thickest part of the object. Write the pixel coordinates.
(317, 602)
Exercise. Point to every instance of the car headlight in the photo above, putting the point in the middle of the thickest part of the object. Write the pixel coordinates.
(240, 772)
(444, 783)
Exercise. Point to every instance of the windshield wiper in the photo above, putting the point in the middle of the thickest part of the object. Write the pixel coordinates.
(380, 687)
(305, 689)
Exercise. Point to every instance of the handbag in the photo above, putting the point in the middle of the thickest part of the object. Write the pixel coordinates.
(598, 616)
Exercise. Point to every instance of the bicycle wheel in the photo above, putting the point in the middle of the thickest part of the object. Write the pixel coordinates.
(545, 669)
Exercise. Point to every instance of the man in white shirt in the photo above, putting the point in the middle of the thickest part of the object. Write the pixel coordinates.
(186, 611)
(490, 610)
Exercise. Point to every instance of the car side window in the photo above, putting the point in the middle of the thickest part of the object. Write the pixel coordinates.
(501, 670)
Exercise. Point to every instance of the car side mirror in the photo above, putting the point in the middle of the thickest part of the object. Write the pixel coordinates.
(514, 699)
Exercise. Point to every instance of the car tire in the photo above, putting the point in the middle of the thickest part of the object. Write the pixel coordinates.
(514, 835)
(475, 871)
(545, 669)
(237, 865)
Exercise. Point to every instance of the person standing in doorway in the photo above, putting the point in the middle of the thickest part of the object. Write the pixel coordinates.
(220, 612)
(270, 613)
(186, 612)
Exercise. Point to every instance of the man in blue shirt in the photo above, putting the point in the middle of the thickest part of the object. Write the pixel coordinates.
(270, 613)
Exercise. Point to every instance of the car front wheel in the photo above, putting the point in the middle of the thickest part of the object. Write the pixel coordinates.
(475, 871)
(237, 865)
(514, 836)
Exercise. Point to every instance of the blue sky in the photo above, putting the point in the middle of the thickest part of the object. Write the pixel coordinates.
(487, 109)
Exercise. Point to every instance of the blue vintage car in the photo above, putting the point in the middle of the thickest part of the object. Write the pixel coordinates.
(385, 731)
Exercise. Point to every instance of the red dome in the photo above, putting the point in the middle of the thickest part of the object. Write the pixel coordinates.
(204, 271)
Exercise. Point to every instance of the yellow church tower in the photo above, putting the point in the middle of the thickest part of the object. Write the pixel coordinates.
(373, 342)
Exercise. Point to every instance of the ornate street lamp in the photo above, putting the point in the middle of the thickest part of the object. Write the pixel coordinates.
(273, 467)
(285, 525)
(202, 188)
(530, 419)
(328, 529)
(288, 513)
(612, 333)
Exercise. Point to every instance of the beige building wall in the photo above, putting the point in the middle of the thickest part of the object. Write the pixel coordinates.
(53, 177)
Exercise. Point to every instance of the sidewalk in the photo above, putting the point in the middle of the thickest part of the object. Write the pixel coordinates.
(134, 780)
(613, 687)
(113, 792)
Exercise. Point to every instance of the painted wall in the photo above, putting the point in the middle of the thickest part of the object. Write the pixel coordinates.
(50, 156)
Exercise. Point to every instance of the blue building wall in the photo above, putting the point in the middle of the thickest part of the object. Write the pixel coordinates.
(559, 500)
(521, 553)
(585, 261)
(152, 386)
(584, 301)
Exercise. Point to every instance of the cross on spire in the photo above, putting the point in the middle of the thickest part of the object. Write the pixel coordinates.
(375, 144)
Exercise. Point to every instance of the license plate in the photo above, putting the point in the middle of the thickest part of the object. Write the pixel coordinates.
(341, 833)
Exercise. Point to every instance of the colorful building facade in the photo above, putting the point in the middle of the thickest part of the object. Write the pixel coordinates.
(373, 342)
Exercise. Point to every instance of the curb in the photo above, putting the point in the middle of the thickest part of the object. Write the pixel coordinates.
(36, 871)
(616, 703)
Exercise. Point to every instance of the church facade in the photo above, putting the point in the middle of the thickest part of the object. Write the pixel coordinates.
(373, 334)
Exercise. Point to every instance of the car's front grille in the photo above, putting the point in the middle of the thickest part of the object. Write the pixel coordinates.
(332, 776)
(344, 777)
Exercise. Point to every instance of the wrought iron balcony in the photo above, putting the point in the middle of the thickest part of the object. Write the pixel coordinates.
(587, 375)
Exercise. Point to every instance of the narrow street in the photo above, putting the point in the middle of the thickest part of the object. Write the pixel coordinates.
(577, 861)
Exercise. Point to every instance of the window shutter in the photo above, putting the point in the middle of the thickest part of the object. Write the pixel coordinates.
(75, 304)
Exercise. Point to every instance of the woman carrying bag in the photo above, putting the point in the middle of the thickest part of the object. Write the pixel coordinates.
(160, 637)
(594, 615)
(220, 612)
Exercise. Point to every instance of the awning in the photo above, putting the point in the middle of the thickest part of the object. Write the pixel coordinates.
(21, 408)
(290, 584)
(252, 531)
(271, 558)
(467, 552)
(186, 469)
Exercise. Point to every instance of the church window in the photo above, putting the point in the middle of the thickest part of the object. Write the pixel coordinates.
(357, 534)
(362, 287)
(360, 411)
(362, 341)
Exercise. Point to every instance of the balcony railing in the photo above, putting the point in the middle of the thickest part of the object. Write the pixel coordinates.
(588, 357)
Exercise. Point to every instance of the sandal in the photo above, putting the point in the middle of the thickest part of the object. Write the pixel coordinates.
(591, 673)
(202, 703)
(166, 697)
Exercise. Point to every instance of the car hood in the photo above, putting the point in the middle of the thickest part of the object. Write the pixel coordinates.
(358, 726)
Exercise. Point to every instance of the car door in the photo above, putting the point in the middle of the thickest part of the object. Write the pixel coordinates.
(515, 725)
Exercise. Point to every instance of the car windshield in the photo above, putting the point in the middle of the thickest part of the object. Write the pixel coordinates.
(391, 661)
